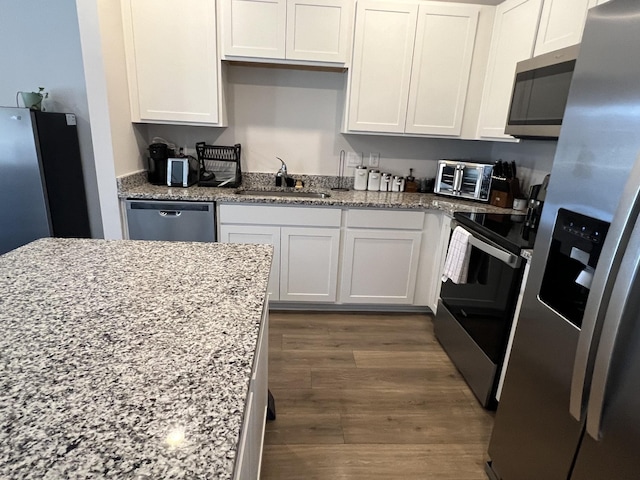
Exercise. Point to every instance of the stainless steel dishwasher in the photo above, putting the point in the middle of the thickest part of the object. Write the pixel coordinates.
(173, 221)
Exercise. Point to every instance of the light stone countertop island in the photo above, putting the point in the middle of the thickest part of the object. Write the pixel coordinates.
(127, 359)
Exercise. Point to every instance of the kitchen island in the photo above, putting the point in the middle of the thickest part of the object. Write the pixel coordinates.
(125, 359)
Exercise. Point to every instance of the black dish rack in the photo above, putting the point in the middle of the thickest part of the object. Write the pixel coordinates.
(219, 165)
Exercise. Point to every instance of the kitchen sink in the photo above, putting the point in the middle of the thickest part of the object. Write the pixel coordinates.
(277, 193)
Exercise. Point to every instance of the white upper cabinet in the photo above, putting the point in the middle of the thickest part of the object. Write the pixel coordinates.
(380, 72)
(297, 30)
(514, 33)
(561, 24)
(319, 30)
(172, 62)
(410, 68)
(440, 72)
(254, 28)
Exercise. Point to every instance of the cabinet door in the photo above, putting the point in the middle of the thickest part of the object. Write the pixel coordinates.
(561, 24)
(172, 61)
(254, 28)
(258, 234)
(514, 34)
(445, 38)
(249, 454)
(318, 30)
(381, 67)
(309, 264)
(380, 266)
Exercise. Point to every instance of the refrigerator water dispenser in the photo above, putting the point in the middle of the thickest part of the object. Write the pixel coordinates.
(576, 244)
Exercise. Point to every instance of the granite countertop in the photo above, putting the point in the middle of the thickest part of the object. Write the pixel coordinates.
(136, 187)
(126, 359)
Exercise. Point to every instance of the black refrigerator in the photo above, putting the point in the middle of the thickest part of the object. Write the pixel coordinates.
(570, 406)
(42, 191)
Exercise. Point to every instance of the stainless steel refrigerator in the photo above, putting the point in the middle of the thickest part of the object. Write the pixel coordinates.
(570, 406)
(42, 191)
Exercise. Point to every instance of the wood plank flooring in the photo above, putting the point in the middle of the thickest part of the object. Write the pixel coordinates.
(368, 396)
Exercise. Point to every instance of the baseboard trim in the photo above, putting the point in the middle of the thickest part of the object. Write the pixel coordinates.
(324, 307)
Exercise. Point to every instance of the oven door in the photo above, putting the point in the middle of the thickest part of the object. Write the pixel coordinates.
(474, 319)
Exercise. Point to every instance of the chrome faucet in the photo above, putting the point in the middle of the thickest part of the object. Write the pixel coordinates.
(282, 177)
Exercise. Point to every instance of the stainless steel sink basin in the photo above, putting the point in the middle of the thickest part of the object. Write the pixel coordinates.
(275, 193)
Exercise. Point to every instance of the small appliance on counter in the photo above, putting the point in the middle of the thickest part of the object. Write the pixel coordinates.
(462, 179)
(182, 171)
(159, 153)
(219, 165)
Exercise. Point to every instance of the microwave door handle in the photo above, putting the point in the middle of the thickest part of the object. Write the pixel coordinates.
(608, 266)
(621, 300)
(508, 258)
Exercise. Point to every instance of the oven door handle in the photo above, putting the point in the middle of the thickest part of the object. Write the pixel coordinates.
(508, 258)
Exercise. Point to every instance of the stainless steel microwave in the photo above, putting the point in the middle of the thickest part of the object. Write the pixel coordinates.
(457, 178)
(540, 91)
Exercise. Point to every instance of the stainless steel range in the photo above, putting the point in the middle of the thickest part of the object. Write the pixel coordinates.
(474, 318)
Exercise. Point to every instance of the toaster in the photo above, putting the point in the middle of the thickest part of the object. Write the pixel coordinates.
(182, 171)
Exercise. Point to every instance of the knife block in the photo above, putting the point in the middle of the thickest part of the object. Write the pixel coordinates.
(501, 199)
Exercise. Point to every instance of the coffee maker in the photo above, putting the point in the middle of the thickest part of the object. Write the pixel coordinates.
(535, 202)
(159, 154)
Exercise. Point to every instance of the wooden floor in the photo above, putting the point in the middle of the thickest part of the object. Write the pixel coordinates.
(363, 396)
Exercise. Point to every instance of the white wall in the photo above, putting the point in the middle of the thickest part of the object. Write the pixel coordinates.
(117, 142)
(41, 48)
(297, 115)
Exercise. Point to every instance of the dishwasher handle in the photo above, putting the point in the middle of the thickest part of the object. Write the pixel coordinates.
(169, 213)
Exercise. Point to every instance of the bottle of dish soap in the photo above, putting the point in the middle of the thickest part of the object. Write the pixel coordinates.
(410, 184)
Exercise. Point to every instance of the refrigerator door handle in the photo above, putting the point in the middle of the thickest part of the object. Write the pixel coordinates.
(608, 265)
(620, 300)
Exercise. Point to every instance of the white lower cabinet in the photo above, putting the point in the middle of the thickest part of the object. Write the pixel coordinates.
(306, 244)
(258, 234)
(249, 454)
(433, 250)
(380, 256)
(329, 255)
(309, 264)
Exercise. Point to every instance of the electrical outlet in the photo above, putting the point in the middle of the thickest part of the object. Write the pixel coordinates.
(374, 159)
(353, 159)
